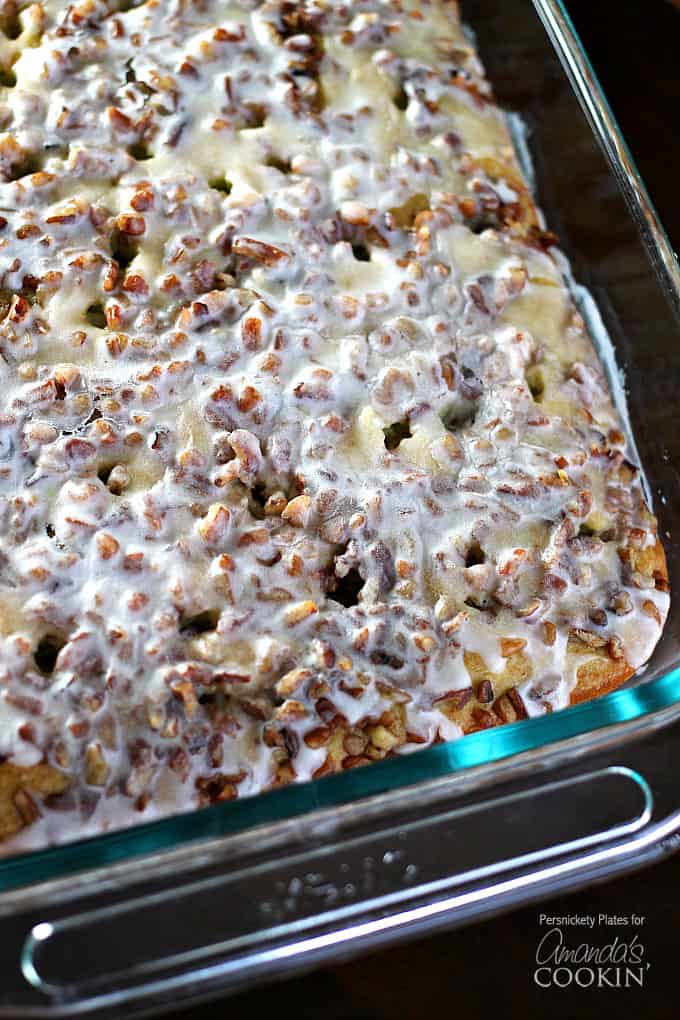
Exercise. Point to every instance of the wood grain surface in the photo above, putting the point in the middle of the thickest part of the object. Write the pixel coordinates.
(487, 970)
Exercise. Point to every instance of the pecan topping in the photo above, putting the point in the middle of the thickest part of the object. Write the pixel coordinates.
(301, 430)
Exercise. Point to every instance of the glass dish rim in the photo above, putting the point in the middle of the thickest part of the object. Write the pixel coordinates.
(441, 760)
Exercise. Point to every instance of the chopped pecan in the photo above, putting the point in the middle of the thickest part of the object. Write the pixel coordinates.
(26, 807)
(588, 638)
(300, 611)
(649, 609)
(455, 699)
(382, 738)
(260, 251)
(297, 511)
(510, 707)
(615, 648)
(96, 768)
(511, 646)
(289, 683)
(485, 692)
(317, 737)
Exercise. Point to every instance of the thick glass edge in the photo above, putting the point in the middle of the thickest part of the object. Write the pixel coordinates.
(593, 100)
(477, 748)
(406, 771)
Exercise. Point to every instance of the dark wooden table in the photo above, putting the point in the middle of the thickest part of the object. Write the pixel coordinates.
(487, 969)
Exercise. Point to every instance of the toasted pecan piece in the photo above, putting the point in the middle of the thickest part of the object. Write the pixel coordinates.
(21, 791)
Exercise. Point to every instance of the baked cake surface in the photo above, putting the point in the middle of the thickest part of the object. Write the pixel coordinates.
(306, 458)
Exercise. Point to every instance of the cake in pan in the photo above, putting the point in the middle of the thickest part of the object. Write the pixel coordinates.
(306, 458)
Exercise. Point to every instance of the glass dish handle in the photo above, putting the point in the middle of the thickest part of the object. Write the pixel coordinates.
(289, 908)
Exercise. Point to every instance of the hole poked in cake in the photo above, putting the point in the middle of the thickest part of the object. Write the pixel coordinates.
(267, 500)
(270, 498)
(361, 252)
(474, 554)
(47, 652)
(347, 589)
(257, 499)
(115, 476)
(24, 165)
(403, 217)
(221, 183)
(256, 115)
(400, 98)
(459, 416)
(96, 316)
(8, 78)
(140, 151)
(536, 382)
(104, 472)
(606, 534)
(394, 434)
(483, 221)
(124, 248)
(278, 163)
(199, 623)
(461, 411)
(10, 22)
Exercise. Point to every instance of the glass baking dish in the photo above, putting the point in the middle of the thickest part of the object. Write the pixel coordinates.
(200, 904)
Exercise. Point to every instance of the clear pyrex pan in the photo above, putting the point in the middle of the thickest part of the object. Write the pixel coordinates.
(203, 903)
